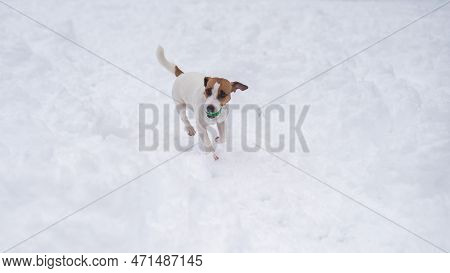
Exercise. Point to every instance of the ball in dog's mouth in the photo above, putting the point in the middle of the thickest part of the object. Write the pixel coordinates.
(212, 115)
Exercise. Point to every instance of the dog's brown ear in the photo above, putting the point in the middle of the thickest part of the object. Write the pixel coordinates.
(205, 81)
(238, 85)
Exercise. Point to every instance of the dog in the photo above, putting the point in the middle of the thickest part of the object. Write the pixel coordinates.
(208, 97)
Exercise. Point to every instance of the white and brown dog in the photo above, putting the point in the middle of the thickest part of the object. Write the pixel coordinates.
(206, 96)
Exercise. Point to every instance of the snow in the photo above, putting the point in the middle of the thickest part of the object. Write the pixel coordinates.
(378, 128)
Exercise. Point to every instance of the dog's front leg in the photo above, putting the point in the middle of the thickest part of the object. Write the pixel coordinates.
(221, 129)
(181, 109)
(206, 142)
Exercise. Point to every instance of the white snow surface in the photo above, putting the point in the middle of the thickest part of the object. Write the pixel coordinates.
(378, 128)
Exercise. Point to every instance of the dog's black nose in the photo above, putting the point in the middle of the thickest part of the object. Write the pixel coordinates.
(210, 108)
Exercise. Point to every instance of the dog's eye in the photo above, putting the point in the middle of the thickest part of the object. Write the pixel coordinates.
(208, 92)
(222, 95)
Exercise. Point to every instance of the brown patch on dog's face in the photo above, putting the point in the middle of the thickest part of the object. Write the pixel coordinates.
(223, 94)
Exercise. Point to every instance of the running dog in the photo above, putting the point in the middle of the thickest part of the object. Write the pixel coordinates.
(207, 96)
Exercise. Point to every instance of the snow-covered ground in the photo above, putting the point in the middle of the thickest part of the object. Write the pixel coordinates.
(378, 128)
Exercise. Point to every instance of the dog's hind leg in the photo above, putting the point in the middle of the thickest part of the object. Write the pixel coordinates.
(181, 109)
(206, 144)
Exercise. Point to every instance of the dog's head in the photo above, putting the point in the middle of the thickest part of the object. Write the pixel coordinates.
(218, 93)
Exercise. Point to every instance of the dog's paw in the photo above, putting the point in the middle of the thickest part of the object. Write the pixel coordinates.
(215, 156)
(219, 140)
(190, 130)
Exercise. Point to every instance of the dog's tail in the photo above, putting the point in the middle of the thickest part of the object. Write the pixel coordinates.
(164, 62)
